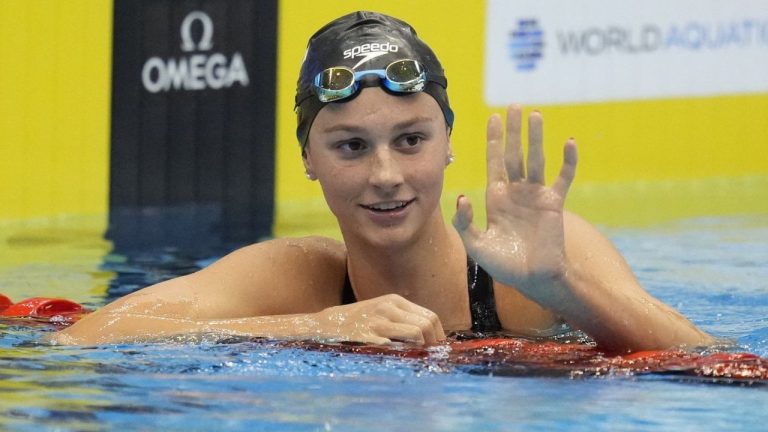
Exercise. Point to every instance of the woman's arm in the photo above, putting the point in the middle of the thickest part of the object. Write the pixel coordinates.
(130, 327)
(556, 259)
(285, 289)
(600, 294)
(379, 321)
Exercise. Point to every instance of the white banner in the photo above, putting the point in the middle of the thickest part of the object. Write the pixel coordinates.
(551, 52)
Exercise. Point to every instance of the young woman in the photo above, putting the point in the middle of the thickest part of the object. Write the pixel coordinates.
(374, 126)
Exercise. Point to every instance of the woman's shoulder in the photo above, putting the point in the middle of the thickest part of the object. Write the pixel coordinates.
(286, 275)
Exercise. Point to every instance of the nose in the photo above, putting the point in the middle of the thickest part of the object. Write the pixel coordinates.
(386, 172)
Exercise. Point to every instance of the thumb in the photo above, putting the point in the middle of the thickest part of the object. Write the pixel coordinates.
(462, 221)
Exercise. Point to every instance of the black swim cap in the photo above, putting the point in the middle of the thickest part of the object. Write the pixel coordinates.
(362, 41)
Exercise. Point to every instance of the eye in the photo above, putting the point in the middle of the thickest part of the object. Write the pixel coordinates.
(351, 147)
(410, 141)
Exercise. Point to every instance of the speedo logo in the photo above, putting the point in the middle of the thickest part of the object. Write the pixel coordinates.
(369, 51)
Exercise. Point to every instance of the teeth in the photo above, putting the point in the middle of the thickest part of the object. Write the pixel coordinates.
(389, 205)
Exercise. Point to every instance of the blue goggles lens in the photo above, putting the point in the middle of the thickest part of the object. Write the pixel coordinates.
(401, 76)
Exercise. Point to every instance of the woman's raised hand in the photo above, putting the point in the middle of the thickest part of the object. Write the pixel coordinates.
(523, 245)
(380, 321)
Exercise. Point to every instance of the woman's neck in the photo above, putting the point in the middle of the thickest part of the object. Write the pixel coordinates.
(430, 271)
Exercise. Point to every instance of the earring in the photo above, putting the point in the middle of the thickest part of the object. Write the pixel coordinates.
(309, 176)
(451, 158)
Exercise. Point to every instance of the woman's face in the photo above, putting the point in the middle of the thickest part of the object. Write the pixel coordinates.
(380, 161)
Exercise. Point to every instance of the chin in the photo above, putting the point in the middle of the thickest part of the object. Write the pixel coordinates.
(393, 239)
(386, 237)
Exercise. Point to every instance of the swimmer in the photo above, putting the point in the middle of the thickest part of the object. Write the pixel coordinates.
(374, 126)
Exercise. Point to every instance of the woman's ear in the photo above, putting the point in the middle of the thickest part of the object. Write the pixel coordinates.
(305, 158)
(449, 157)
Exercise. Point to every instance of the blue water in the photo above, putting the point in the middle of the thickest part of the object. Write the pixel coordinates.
(714, 270)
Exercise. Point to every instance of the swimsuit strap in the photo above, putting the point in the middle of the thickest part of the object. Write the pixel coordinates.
(482, 302)
(347, 293)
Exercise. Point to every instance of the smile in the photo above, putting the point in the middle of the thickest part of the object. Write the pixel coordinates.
(387, 206)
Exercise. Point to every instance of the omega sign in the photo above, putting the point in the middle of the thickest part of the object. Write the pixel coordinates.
(195, 71)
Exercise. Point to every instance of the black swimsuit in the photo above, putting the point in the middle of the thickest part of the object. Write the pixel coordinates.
(482, 303)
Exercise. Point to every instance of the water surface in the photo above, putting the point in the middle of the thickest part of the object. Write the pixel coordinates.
(714, 270)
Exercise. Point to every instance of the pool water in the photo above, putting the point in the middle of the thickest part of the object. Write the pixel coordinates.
(714, 270)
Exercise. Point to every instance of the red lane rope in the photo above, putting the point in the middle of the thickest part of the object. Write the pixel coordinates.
(56, 310)
(534, 356)
(525, 357)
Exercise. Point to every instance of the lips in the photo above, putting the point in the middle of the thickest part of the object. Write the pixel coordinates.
(387, 206)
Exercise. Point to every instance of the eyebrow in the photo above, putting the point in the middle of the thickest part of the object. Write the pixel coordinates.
(357, 128)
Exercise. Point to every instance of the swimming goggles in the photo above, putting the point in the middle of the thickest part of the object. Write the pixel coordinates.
(401, 76)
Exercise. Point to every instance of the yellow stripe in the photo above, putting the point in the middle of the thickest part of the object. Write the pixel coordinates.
(54, 106)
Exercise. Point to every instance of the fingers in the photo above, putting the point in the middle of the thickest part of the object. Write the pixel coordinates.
(495, 152)
(403, 320)
(513, 154)
(513, 169)
(392, 331)
(568, 170)
(427, 321)
(381, 320)
(376, 340)
(535, 148)
(462, 221)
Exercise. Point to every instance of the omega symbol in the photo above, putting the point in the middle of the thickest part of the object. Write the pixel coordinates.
(187, 43)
